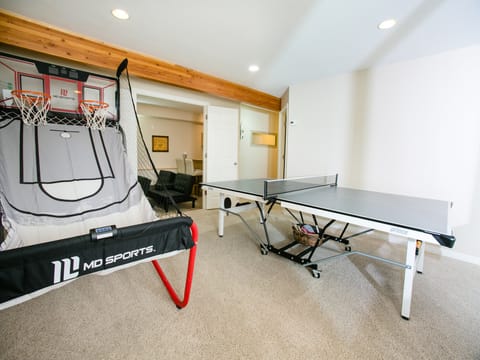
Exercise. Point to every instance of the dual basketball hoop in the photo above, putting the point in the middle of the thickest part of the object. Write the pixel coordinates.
(35, 105)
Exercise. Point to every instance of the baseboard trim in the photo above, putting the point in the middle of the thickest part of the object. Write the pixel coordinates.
(459, 256)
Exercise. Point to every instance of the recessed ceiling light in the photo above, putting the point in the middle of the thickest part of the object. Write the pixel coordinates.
(120, 14)
(387, 24)
(253, 68)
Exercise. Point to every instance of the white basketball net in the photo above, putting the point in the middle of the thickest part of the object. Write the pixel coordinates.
(95, 112)
(33, 106)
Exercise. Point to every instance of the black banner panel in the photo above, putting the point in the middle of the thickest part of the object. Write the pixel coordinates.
(28, 269)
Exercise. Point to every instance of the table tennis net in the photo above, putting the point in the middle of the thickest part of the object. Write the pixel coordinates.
(272, 188)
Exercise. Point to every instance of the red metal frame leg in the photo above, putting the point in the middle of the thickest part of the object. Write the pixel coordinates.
(188, 283)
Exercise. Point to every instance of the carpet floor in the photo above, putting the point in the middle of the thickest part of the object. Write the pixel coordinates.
(245, 305)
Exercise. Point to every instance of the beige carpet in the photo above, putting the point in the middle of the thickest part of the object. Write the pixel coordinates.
(245, 305)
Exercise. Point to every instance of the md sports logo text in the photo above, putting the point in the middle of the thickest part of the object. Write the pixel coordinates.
(69, 268)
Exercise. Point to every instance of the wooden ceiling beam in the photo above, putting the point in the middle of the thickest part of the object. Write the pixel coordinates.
(25, 33)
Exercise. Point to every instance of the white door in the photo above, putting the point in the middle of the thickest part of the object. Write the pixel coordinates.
(221, 150)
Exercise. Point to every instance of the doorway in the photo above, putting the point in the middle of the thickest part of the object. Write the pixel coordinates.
(171, 132)
(178, 125)
(149, 102)
(259, 143)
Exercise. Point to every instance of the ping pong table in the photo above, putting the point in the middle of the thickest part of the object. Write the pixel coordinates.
(418, 220)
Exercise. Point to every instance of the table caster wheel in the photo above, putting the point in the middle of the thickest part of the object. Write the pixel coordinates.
(316, 274)
(348, 248)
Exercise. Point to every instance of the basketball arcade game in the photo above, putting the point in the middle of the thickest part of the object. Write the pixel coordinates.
(69, 203)
(415, 219)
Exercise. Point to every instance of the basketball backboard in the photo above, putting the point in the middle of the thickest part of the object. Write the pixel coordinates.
(67, 87)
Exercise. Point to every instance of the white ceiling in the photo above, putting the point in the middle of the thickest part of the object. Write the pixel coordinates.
(291, 40)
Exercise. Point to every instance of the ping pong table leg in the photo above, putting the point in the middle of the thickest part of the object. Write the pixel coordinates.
(408, 278)
(221, 215)
(420, 257)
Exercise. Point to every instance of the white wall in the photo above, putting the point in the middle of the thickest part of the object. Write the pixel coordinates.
(410, 128)
(184, 137)
(256, 161)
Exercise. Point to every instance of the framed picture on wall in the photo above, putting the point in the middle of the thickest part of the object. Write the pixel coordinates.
(159, 143)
